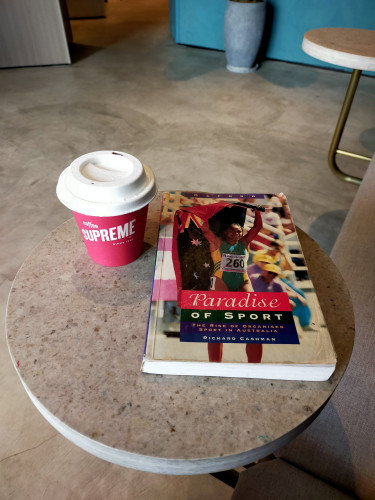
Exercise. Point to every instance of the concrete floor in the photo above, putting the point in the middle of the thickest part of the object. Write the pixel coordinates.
(198, 126)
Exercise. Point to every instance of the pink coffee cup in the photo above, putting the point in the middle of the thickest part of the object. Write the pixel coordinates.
(109, 193)
(113, 241)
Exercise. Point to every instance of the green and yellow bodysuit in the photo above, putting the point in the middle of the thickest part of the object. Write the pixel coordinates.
(230, 263)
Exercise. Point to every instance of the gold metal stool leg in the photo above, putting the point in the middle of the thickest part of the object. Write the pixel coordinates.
(333, 150)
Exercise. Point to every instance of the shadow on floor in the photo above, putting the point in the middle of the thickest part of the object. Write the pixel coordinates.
(290, 75)
(79, 52)
(367, 139)
(190, 62)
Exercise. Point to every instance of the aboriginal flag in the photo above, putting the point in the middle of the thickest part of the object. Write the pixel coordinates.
(190, 250)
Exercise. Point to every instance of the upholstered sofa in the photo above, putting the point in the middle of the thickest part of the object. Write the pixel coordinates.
(335, 457)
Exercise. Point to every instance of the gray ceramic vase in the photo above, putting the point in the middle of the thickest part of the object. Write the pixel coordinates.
(243, 32)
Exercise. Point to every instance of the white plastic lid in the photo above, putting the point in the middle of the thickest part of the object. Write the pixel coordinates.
(106, 183)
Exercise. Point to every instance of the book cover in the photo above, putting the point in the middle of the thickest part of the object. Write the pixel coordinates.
(231, 294)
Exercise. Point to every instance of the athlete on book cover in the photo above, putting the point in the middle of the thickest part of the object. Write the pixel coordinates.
(221, 225)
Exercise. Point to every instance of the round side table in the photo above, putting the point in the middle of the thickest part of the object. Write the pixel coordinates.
(76, 335)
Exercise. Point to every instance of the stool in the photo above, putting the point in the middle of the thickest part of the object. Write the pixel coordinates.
(350, 48)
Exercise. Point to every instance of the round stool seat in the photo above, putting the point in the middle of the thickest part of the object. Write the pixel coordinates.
(351, 48)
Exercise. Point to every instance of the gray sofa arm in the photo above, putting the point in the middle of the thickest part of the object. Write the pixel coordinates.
(339, 447)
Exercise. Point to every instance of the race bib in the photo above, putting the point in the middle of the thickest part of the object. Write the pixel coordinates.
(233, 263)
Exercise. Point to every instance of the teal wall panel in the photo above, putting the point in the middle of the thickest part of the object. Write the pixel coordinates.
(201, 23)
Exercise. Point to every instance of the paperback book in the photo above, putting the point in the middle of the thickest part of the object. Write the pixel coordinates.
(231, 294)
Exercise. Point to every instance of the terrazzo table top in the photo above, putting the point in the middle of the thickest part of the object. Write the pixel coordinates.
(76, 334)
(347, 47)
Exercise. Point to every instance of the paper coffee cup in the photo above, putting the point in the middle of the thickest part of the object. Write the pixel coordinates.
(109, 193)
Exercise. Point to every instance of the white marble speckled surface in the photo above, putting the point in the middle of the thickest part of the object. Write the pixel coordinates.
(76, 333)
